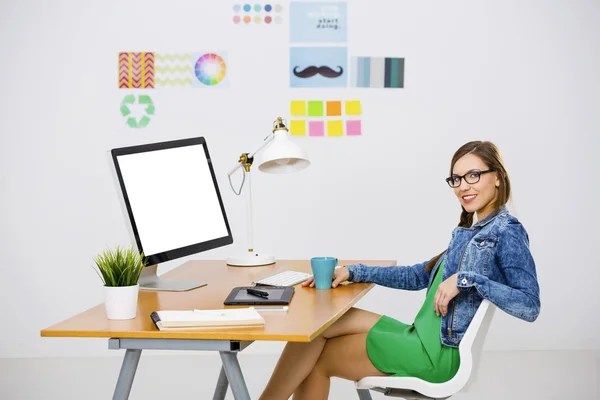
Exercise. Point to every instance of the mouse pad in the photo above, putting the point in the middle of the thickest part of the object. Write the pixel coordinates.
(278, 295)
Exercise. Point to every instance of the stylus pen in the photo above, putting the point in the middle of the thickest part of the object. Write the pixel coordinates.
(257, 292)
(272, 308)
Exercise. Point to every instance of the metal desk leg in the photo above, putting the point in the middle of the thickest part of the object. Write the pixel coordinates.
(222, 385)
(234, 375)
(128, 368)
(363, 394)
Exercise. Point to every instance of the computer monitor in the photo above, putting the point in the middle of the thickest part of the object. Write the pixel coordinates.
(172, 198)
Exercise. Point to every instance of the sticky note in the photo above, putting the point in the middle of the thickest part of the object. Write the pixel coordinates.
(353, 128)
(335, 128)
(316, 128)
(315, 108)
(353, 107)
(334, 108)
(298, 127)
(298, 107)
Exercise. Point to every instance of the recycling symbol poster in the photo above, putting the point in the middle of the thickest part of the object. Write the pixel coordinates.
(137, 110)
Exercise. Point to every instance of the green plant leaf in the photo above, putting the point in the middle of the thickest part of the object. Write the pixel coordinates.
(120, 266)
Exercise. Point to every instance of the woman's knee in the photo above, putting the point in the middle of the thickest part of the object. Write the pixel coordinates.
(322, 367)
(339, 325)
(355, 320)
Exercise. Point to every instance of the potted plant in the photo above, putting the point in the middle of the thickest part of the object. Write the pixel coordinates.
(120, 270)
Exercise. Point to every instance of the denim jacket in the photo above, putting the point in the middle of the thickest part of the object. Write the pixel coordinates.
(493, 261)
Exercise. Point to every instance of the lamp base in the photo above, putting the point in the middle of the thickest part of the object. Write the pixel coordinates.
(250, 260)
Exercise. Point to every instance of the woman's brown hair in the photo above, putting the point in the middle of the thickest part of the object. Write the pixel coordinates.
(490, 155)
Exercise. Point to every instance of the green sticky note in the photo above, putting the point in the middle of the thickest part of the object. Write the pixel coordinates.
(315, 108)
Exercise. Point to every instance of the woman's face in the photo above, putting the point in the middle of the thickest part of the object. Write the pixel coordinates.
(476, 197)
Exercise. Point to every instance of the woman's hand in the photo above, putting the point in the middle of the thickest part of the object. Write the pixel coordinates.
(339, 275)
(446, 291)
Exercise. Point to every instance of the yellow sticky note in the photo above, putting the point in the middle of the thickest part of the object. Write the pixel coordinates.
(298, 127)
(298, 107)
(335, 128)
(353, 107)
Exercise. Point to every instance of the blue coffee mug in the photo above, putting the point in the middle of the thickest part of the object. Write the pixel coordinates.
(322, 269)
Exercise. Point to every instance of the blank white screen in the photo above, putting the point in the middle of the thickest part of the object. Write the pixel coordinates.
(172, 197)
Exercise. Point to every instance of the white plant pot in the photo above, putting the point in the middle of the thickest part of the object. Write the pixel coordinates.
(121, 301)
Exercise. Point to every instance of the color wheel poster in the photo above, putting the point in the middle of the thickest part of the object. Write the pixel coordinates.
(210, 69)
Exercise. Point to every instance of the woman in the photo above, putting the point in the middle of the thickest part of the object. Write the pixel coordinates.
(489, 259)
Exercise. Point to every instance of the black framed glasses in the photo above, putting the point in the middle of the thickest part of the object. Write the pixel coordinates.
(470, 177)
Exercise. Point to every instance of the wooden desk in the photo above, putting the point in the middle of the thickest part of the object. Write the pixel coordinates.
(311, 312)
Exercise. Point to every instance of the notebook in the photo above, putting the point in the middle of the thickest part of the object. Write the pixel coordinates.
(185, 319)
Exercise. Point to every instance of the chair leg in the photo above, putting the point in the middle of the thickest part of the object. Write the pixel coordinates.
(364, 394)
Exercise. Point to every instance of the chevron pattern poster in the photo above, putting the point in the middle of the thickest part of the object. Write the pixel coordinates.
(174, 69)
(136, 70)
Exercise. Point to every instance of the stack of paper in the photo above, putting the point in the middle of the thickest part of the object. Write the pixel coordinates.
(177, 319)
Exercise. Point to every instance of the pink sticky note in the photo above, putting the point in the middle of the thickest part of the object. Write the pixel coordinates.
(353, 128)
(316, 128)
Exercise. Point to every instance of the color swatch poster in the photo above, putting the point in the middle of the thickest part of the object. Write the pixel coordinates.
(377, 72)
(318, 67)
(318, 22)
(257, 14)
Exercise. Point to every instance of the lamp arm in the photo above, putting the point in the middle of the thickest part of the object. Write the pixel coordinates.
(245, 161)
(240, 163)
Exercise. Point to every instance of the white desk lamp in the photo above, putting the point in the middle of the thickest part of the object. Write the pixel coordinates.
(279, 156)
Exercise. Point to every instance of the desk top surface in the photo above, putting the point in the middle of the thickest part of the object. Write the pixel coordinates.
(311, 310)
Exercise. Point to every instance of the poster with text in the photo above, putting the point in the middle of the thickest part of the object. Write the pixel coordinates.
(318, 22)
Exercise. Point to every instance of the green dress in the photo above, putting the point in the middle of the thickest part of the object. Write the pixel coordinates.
(414, 350)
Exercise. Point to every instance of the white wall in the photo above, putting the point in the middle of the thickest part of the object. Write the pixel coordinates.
(523, 74)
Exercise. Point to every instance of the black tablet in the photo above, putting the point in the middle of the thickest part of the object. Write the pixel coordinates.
(277, 295)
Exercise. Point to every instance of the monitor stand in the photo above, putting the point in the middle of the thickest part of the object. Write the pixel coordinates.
(149, 280)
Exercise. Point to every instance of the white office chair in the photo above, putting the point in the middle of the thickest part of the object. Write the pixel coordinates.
(470, 349)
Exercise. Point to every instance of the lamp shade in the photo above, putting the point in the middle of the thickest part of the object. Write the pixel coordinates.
(282, 155)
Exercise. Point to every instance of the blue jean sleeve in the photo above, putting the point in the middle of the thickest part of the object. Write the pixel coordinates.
(520, 296)
(413, 277)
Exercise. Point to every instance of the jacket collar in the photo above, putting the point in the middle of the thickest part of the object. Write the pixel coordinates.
(503, 210)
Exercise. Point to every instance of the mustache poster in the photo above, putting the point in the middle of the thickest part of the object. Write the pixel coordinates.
(318, 67)
(323, 70)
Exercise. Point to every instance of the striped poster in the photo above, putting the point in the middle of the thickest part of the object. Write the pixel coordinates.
(377, 72)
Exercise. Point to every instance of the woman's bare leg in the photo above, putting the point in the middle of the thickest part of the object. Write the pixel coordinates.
(344, 357)
(298, 359)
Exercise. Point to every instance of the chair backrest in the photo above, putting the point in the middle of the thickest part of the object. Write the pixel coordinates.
(470, 349)
(471, 345)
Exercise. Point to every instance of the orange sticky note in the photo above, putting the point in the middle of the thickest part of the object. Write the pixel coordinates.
(298, 127)
(298, 107)
(334, 108)
(335, 128)
(353, 107)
